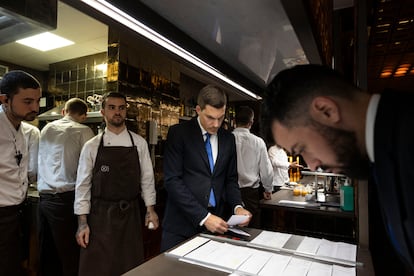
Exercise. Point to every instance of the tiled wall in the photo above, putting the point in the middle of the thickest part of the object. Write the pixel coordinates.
(80, 77)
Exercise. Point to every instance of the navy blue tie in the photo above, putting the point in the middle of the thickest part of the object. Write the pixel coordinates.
(212, 200)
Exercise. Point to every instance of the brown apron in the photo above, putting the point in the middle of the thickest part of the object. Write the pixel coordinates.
(115, 243)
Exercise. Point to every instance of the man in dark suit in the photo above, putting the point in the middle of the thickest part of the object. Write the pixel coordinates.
(314, 112)
(200, 173)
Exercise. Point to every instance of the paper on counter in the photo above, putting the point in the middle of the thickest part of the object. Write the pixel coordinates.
(256, 262)
(338, 250)
(343, 271)
(309, 245)
(319, 269)
(271, 239)
(188, 246)
(220, 255)
(237, 219)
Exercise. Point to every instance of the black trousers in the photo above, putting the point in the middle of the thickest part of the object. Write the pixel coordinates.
(59, 252)
(11, 240)
(251, 199)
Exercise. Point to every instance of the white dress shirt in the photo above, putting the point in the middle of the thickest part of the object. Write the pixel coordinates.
(213, 141)
(214, 151)
(280, 163)
(13, 176)
(61, 142)
(87, 162)
(32, 136)
(253, 164)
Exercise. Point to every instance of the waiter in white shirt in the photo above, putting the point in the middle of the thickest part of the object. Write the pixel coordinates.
(32, 136)
(281, 166)
(61, 142)
(20, 94)
(253, 164)
(113, 167)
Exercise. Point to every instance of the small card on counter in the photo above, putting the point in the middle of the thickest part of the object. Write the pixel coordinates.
(236, 220)
(238, 231)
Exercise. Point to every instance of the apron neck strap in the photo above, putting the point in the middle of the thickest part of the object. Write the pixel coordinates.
(130, 136)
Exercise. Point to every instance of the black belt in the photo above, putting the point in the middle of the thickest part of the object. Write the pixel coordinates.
(11, 209)
(69, 194)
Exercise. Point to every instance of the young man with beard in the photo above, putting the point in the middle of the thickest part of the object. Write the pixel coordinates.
(113, 168)
(333, 125)
(20, 94)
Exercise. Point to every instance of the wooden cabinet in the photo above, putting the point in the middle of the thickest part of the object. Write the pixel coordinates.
(317, 221)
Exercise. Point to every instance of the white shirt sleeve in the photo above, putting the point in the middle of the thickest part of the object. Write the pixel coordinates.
(84, 176)
(148, 193)
(265, 166)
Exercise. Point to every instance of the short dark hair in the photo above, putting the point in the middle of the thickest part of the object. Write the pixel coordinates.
(14, 80)
(76, 106)
(211, 95)
(112, 95)
(244, 115)
(289, 95)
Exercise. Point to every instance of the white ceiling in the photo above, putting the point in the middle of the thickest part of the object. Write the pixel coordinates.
(90, 37)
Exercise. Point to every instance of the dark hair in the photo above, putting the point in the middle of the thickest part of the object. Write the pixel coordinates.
(244, 115)
(76, 106)
(112, 95)
(15, 80)
(289, 95)
(211, 95)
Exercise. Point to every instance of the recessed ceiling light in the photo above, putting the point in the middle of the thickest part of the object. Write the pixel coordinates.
(45, 42)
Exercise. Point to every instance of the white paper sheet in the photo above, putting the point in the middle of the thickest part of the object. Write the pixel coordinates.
(188, 246)
(255, 262)
(338, 250)
(319, 269)
(237, 219)
(221, 254)
(203, 251)
(297, 267)
(309, 245)
(275, 266)
(343, 271)
(271, 239)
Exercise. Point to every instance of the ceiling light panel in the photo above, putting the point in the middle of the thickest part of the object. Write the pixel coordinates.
(45, 42)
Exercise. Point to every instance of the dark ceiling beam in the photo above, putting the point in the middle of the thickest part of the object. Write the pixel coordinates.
(299, 17)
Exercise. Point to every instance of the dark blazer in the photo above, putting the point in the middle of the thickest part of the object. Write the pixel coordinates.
(188, 179)
(394, 167)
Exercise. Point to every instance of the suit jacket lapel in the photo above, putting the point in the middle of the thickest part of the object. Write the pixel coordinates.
(221, 143)
(198, 140)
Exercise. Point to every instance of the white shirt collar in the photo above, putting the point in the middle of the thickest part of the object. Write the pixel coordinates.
(203, 131)
(370, 124)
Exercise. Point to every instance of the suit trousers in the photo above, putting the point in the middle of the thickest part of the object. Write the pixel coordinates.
(59, 252)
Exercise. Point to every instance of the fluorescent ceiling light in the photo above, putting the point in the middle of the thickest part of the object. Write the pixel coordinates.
(45, 41)
(130, 22)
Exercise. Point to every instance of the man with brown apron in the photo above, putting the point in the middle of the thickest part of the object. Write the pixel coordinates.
(111, 235)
